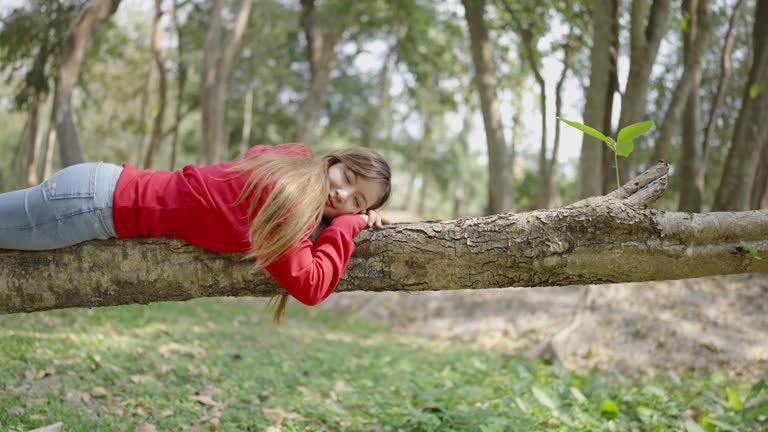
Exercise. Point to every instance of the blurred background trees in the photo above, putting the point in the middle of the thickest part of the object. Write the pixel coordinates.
(460, 96)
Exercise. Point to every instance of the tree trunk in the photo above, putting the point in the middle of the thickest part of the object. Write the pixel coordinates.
(696, 38)
(94, 14)
(181, 81)
(216, 64)
(645, 38)
(383, 99)
(598, 95)
(598, 240)
(500, 189)
(760, 187)
(50, 142)
(321, 52)
(553, 189)
(157, 127)
(751, 128)
(691, 156)
(245, 137)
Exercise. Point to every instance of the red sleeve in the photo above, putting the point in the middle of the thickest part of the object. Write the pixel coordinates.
(310, 272)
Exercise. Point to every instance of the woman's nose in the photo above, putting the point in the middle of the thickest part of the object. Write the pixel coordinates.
(341, 195)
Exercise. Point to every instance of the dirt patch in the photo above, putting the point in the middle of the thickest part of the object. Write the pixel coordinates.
(699, 325)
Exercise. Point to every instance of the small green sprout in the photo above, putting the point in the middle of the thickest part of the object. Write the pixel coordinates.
(751, 249)
(623, 145)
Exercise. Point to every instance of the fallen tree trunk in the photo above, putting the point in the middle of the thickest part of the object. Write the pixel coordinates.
(594, 241)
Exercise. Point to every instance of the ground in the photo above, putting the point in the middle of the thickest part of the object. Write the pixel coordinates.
(697, 325)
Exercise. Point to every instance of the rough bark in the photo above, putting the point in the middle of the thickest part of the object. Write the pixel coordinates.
(645, 38)
(216, 65)
(590, 178)
(594, 241)
(751, 129)
(94, 14)
(500, 189)
(321, 52)
(696, 39)
(159, 56)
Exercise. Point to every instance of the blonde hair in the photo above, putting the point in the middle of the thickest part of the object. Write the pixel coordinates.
(294, 206)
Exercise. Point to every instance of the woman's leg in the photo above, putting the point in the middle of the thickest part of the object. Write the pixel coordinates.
(73, 206)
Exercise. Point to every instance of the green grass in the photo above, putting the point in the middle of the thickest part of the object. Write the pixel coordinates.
(111, 368)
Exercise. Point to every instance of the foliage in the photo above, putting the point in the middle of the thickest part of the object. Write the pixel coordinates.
(624, 143)
(216, 360)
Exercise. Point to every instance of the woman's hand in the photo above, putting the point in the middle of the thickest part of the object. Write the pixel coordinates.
(372, 217)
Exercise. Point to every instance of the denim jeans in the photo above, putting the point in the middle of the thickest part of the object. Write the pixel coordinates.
(72, 206)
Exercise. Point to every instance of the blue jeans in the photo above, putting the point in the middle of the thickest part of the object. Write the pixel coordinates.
(72, 206)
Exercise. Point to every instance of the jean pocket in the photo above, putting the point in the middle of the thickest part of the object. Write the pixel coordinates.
(76, 181)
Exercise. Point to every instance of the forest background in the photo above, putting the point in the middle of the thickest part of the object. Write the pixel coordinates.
(437, 87)
(462, 98)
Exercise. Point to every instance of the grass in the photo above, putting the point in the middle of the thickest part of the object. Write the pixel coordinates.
(220, 364)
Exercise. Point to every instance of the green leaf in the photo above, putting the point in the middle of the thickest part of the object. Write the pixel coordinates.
(721, 423)
(756, 88)
(633, 131)
(755, 390)
(625, 148)
(609, 410)
(756, 411)
(589, 131)
(691, 426)
(578, 395)
(734, 398)
(544, 398)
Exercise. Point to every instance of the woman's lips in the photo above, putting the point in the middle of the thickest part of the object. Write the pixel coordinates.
(330, 203)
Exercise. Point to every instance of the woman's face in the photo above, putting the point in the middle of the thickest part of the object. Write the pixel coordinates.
(349, 192)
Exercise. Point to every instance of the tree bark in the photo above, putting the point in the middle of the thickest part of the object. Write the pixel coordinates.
(500, 188)
(590, 178)
(94, 14)
(751, 128)
(598, 240)
(760, 187)
(157, 127)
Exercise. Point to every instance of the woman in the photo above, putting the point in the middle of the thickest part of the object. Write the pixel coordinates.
(267, 205)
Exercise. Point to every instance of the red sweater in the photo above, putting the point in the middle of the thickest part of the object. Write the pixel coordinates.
(195, 204)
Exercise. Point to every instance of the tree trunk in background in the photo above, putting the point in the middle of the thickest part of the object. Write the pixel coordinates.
(691, 156)
(384, 78)
(553, 185)
(421, 148)
(94, 14)
(500, 189)
(695, 41)
(714, 112)
(598, 96)
(759, 197)
(751, 129)
(157, 127)
(32, 136)
(645, 38)
(545, 176)
(217, 60)
(50, 140)
(245, 137)
(181, 82)
(595, 241)
(321, 52)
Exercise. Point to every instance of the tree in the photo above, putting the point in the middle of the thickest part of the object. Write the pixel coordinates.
(500, 188)
(594, 241)
(599, 94)
(94, 14)
(159, 56)
(751, 131)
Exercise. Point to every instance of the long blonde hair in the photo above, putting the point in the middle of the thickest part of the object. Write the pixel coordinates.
(294, 206)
